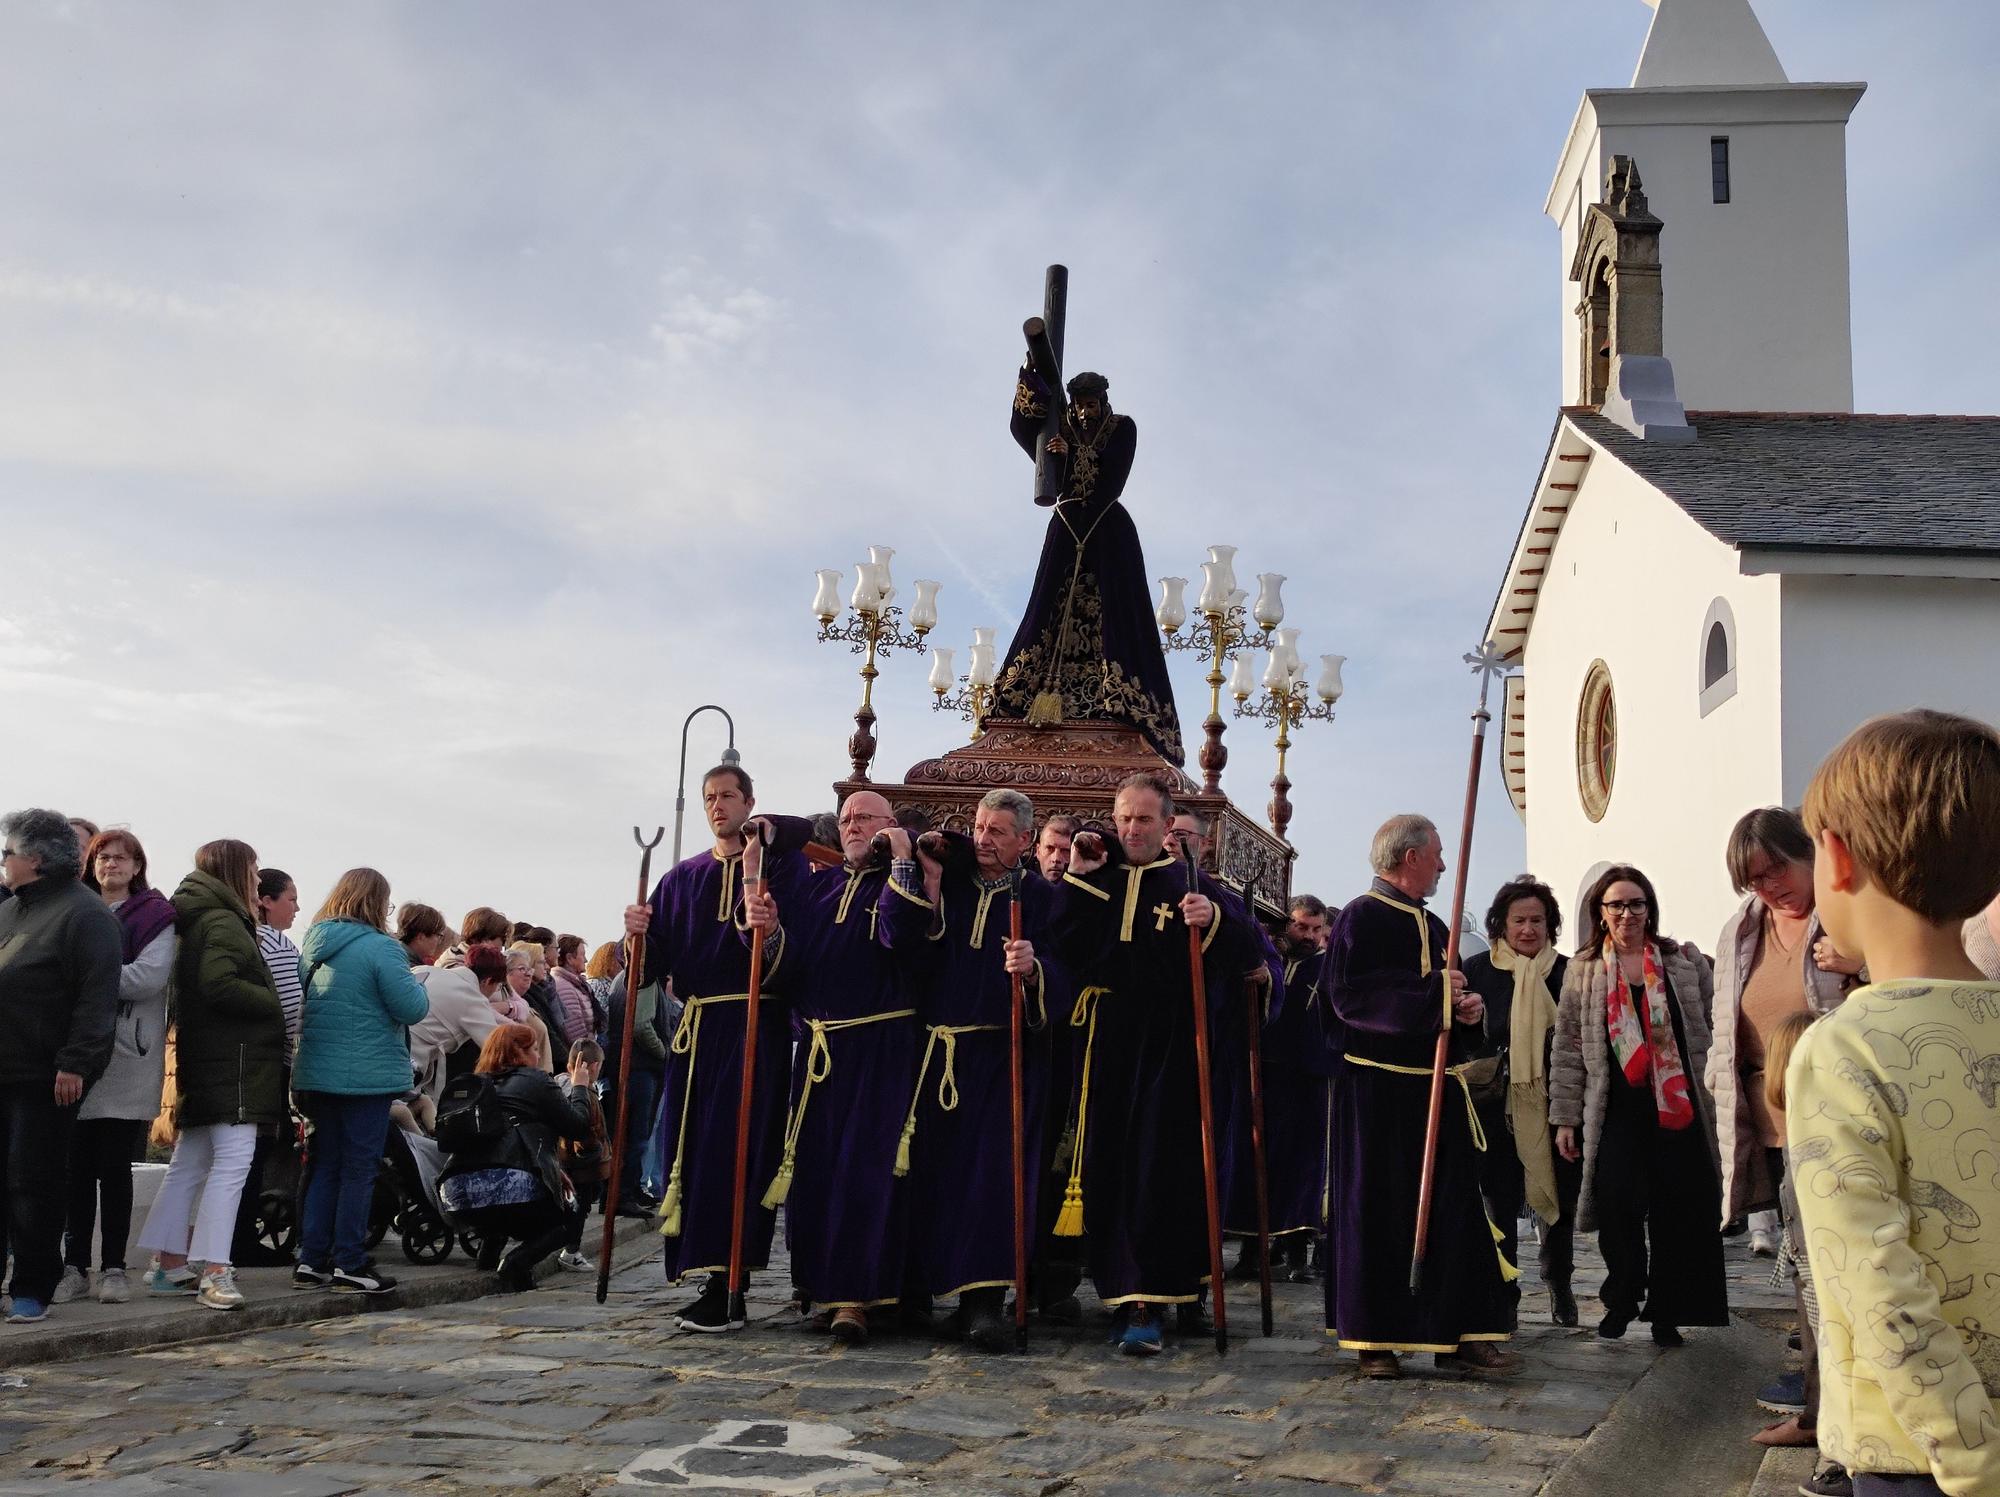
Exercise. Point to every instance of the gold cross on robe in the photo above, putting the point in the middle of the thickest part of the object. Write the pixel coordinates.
(1162, 913)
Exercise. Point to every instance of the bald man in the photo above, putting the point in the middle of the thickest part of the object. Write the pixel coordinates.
(855, 999)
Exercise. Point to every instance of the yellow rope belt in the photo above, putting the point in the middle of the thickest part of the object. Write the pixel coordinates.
(819, 1066)
(687, 1041)
(1508, 1272)
(947, 1081)
(1069, 1220)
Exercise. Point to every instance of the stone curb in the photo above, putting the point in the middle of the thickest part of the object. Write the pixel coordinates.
(149, 1333)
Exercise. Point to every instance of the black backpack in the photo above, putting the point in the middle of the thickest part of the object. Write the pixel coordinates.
(469, 1114)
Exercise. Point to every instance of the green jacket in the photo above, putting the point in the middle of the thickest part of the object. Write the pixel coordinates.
(229, 1064)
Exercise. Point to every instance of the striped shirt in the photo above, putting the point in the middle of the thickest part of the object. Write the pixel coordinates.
(282, 957)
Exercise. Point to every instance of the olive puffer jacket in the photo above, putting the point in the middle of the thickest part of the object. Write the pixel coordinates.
(229, 1062)
(354, 1040)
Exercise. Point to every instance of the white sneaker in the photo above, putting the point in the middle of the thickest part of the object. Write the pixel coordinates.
(218, 1289)
(75, 1284)
(1763, 1244)
(112, 1288)
(575, 1262)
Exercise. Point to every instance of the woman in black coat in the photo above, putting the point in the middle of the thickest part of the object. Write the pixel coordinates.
(1520, 979)
(506, 1183)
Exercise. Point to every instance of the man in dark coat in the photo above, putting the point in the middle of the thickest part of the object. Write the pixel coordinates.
(59, 957)
(1390, 993)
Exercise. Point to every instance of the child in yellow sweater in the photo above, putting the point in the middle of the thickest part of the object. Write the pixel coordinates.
(1894, 1117)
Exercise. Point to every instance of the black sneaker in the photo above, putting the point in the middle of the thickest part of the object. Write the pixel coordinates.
(307, 1277)
(1831, 1480)
(362, 1280)
(709, 1314)
(1612, 1327)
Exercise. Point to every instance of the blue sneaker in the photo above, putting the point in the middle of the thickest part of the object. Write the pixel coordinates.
(1142, 1334)
(1786, 1396)
(27, 1311)
(182, 1280)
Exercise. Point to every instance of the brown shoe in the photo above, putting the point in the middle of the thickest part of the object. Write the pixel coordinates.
(1787, 1432)
(850, 1325)
(1478, 1359)
(1382, 1364)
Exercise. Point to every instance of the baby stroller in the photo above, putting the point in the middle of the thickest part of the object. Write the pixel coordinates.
(283, 1191)
(406, 1200)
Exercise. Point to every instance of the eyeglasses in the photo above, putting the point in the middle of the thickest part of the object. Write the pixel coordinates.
(8, 852)
(864, 818)
(1769, 876)
(1625, 906)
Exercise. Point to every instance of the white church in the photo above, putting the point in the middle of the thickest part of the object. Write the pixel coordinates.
(1723, 568)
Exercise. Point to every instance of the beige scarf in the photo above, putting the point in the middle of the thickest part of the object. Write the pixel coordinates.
(1529, 1023)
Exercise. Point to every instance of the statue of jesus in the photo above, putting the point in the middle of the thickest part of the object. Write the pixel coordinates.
(1087, 648)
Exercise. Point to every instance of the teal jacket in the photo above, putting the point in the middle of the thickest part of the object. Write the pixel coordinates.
(360, 1001)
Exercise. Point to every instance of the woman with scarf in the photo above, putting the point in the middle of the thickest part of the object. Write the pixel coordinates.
(1519, 979)
(123, 1101)
(1631, 1042)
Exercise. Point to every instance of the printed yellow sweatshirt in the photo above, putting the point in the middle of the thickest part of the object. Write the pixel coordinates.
(1893, 1112)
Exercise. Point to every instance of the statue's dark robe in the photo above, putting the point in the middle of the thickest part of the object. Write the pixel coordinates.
(1386, 982)
(1119, 932)
(698, 940)
(960, 1131)
(1088, 648)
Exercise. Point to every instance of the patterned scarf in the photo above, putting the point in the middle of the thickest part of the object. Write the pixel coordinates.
(1647, 1049)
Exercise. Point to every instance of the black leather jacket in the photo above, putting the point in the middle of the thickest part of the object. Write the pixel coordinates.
(538, 1113)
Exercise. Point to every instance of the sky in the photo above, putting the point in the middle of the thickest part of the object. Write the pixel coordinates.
(409, 413)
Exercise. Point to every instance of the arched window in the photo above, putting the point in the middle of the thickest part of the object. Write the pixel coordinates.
(1596, 741)
(1718, 657)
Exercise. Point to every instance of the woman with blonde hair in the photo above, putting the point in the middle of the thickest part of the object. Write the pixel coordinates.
(512, 1000)
(229, 1074)
(354, 1060)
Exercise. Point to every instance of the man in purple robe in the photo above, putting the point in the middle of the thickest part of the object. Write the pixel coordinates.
(958, 1140)
(1390, 993)
(855, 1001)
(1122, 931)
(697, 937)
(1296, 1063)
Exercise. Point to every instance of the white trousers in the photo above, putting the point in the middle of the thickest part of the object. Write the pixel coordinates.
(195, 1211)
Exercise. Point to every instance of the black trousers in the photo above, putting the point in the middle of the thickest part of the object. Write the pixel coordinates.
(538, 1229)
(101, 1151)
(586, 1196)
(1658, 1201)
(1505, 1188)
(34, 1172)
(1872, 1484)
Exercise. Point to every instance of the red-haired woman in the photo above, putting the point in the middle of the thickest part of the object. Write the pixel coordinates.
(112, 1121)
(512, 1188)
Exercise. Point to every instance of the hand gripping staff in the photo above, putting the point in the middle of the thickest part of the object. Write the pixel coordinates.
(754, 848)
(1198, 978)
(1254, 1016)
(1486, 662)
(634, 969)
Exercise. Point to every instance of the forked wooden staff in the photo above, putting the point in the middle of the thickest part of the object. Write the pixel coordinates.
(1486, 663)
(1014, 1064)
(1254, 1016)
(1199, 980)
(753, 838)
(634, 970)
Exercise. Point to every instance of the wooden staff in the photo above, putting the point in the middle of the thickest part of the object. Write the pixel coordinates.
(1199, 980)
(634, 969)
(1254, 1016)
(1014, 1058)
(1486, 663)
(753, 835)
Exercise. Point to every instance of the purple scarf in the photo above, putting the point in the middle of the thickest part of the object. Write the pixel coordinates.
(141, 918)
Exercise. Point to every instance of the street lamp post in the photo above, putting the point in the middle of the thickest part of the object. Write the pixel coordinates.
(872, 629)
(729, 756)
(1284, 705)
(1221, 635)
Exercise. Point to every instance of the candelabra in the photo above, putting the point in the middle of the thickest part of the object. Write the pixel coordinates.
(1222, 634)
(973, 698)
(1284, 705)
(872, 628)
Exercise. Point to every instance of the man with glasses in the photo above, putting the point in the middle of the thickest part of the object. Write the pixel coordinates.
(1390, 994)
(856, 1001)
(697, 931)
(60, 951)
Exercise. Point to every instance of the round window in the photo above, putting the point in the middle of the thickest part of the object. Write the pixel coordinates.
(1596, 741)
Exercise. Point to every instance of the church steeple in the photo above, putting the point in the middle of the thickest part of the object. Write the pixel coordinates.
(1706, 44)
(1749, 173)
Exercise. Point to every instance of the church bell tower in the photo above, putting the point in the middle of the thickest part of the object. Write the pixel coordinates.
(1748, 173)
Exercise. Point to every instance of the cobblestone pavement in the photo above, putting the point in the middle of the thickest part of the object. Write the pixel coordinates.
(548, 1391)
